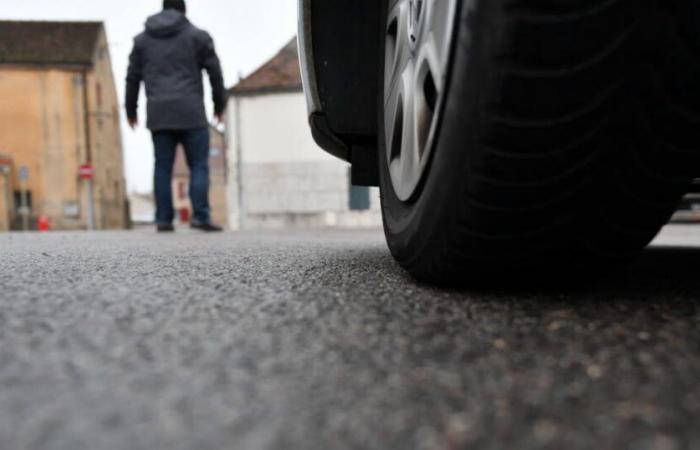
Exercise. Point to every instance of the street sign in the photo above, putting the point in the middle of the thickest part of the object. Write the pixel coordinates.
(24, 173)
(86, 171)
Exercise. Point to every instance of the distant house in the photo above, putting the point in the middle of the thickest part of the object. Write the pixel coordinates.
(217, 179)
(278, 175)
(59, 110)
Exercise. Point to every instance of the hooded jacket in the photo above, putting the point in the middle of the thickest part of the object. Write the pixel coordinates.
(169, 57)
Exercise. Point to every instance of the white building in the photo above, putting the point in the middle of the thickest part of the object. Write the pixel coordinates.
(142, 208)
(279, 177)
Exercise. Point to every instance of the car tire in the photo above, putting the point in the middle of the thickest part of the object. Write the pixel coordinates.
(568, 132)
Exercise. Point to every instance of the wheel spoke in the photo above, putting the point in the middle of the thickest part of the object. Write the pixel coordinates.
(401, 145)
(409, 147)
(429, 62)
(393, 117)
(436, 23)
(398, 51)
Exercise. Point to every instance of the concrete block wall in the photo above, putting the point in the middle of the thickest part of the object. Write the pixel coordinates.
(302, 187)
(300, 194)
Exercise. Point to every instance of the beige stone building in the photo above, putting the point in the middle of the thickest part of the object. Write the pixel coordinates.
(217, 179)
(58, 110)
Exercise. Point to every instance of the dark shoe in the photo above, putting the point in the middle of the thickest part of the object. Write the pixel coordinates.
(165, 228)
(208, 227)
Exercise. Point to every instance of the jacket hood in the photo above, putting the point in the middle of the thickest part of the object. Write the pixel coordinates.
(166, 23)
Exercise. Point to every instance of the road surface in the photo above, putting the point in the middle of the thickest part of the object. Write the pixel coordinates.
(317, 340)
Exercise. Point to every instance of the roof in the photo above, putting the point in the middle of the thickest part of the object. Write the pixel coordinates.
(60, 43)
(280, 74)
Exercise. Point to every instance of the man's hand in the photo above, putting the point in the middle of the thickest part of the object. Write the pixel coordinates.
(219, 118)
(133, 122)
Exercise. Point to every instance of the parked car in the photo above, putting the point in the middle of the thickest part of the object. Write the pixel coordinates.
(509, 136)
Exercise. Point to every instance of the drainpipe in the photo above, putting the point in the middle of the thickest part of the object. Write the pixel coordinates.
(5, 170)
(88, 155)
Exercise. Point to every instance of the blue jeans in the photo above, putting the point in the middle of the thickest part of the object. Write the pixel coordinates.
(196, 144)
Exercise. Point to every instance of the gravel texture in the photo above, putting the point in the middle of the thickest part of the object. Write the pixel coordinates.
(317, 340)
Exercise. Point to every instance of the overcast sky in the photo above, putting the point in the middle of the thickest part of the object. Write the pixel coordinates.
(246, 32)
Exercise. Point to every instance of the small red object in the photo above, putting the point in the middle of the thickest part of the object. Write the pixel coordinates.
(184, 215)
(86, 171)
(43, 224)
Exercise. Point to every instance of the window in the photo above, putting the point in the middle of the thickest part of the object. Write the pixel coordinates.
(98, 91)
(71, 209)
(18, 198)
(359, 197)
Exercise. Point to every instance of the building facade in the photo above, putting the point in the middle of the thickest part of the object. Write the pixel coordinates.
(278, 176)
(59, 110)
(217, 180)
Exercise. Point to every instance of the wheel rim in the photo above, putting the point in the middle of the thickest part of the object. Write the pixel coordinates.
(418, 41)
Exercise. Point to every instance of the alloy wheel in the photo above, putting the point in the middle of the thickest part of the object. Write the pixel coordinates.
(418, 42)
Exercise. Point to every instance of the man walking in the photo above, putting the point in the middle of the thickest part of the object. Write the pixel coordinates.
(169, 57)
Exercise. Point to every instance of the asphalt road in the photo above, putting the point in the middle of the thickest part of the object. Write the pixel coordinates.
(316, 340)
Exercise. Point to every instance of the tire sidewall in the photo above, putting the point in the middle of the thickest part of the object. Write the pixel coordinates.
(417, 229)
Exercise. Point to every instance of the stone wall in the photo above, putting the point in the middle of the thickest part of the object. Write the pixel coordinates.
(106, 141)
